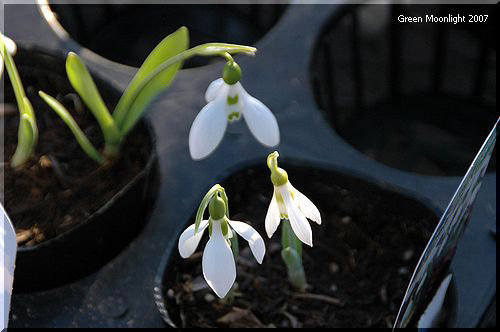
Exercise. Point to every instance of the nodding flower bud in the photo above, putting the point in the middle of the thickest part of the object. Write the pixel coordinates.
(232, 73)
(217, 208)
(278, 175)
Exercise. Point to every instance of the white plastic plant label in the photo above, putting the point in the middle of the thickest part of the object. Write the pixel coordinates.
(8, 245)
(440, 249)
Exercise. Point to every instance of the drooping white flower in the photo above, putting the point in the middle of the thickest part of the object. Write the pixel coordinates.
(219, 269)
(228, 101)
(289, 203)
(11, 48)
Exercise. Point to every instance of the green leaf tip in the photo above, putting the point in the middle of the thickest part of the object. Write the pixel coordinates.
(84, 85)
(145, 86)
(81, 138)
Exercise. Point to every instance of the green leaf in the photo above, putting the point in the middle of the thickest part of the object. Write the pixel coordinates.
(83, 83)
(27, 137)
(15, 80)
(63, 113)
(172, 45)
(203, 205)
(142, 95)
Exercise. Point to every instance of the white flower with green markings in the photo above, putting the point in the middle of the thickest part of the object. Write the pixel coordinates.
(228, 101)
(289, 203)
(221, 250)
(291, 208)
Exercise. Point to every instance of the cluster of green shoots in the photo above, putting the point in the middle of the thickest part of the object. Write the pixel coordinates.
(154, 76)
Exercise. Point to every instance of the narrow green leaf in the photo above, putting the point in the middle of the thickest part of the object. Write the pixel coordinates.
(172, 45)
(27, 136)
(203, 205)
(63, 113)
(15, 80)
(150, 86)
(83, 83)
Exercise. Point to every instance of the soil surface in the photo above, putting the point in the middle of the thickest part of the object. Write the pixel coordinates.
(61, 186)
(358, 269)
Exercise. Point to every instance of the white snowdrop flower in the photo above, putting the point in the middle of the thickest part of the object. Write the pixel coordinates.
(218, 264)
(289, 203)
(228, 101)
(11, 48)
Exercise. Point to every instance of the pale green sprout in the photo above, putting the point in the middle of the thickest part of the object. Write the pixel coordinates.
(155, 75)
(27, 136)
(291, 208)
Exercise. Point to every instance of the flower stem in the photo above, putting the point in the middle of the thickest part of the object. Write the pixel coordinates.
(291, 254)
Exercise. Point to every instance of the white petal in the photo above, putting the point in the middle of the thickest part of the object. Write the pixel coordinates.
(260, 120)
(272, 217)
(208, 129)
(188, 241)
(254, 239)
(218, 264)
(11, 46)
(306, 206)
(213, 89)
(298, 221)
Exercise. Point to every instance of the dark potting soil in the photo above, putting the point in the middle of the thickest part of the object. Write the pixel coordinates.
(358, 269)
(60, 187)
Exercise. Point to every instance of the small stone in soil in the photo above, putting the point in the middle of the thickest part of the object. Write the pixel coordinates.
(45, 162)
(407, 255)
(209, 298)
(383, 294)
(345, 220)
(334, 267)
(198, 284)
(23, 235)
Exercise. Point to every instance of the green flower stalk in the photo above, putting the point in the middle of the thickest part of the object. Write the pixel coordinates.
(291, 207)
(154, 76)
(28, 130)
(221, 251)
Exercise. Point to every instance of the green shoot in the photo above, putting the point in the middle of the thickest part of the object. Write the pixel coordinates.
(28, 130)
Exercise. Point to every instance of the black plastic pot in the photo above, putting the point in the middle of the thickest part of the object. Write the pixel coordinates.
(120, 293)
(416, 97)
(361, 192)
(92, 243)
(106, 29)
